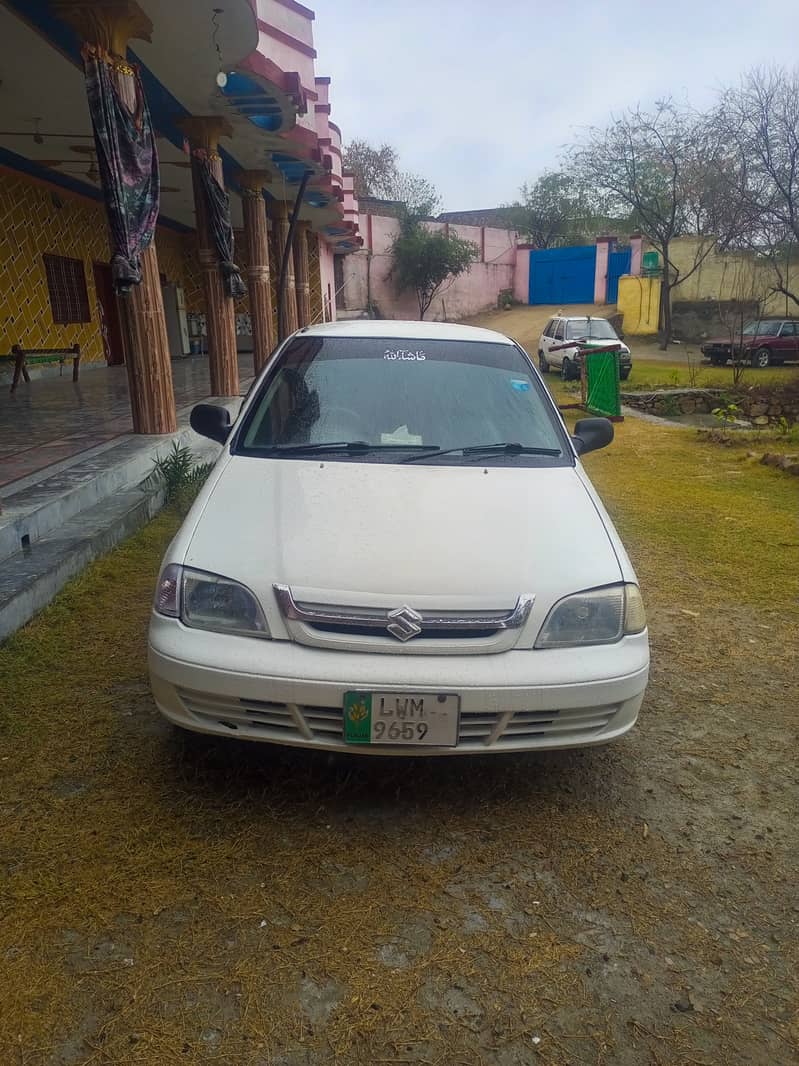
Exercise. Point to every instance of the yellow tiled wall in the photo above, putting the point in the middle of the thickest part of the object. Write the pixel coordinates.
(38, 219)
(35, 220)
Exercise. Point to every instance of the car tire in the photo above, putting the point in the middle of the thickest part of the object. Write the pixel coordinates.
(761, 358)
(624, 374)
(543, 365)
(566, 371)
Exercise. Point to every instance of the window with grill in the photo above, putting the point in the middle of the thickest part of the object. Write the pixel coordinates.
(66, 287)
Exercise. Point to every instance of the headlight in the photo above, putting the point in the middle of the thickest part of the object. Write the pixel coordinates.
(207, 601)
(599, 616)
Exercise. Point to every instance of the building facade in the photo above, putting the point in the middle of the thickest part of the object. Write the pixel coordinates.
(236, 87)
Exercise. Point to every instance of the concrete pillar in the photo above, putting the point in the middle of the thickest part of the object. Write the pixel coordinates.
(290, 298)
(258, 282)
(109, 25)
(636, 253)
(601, 275)
(302, 274)
(220, 312)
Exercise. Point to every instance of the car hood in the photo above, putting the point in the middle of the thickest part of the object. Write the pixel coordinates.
(375, 533)
(726, 340)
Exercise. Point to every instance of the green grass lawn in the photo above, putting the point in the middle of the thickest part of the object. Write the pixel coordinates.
(673, 373)
(684, 365)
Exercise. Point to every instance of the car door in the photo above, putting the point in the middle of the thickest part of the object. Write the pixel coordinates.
(554, 358)
(545, 340)
(786, 346)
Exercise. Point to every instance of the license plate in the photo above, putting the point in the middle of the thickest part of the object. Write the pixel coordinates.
(407, 719)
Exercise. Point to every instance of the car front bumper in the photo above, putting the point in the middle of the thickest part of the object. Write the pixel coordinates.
(286, 693)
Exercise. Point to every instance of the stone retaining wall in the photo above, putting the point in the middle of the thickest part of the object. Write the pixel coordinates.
(760, 405)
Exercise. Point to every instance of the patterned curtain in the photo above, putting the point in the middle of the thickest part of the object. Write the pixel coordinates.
(127, 159)
(218, 203)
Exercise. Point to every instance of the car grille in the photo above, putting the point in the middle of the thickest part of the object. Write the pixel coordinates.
(310, 725)
(400, 628)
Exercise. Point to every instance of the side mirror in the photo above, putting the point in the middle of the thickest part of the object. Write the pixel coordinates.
(592, 433)
(211, 421)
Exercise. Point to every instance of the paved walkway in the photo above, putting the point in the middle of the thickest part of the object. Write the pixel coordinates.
(51, 418)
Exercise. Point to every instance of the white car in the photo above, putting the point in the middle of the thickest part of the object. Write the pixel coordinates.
(554, 350)
(398, 551)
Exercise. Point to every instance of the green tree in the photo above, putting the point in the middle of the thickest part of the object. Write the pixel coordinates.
(422, 259)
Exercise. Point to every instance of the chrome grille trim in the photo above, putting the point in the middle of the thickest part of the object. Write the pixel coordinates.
(380, 619)
(324, 725)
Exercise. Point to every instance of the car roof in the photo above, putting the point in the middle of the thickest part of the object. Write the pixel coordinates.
(394, 329)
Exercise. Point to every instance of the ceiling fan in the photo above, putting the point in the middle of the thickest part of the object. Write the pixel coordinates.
(39, 137)
(93, 172)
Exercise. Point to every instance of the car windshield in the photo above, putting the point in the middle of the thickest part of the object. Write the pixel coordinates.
(761, 329)
(591, 328)
(364, 399)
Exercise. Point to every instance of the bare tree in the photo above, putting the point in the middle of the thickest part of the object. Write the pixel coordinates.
(760, 118)
(377, 173)
(742, 278)
(548, 210)
(671, 169)
(372, 167)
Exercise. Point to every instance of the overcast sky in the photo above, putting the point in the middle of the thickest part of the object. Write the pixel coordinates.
(480, 97)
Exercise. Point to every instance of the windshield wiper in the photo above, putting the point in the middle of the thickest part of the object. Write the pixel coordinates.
(359, 447)
(477, 450)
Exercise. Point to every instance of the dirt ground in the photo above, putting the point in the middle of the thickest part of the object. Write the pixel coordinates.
(163, 902)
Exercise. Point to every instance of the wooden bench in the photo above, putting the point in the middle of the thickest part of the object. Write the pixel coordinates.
(24, 357)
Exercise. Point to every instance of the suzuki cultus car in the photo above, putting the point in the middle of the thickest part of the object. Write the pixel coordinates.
(398, 551)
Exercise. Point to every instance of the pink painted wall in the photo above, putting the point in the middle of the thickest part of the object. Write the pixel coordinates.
(350, 203)
(294, 19)
(521, 274)
(472, 292)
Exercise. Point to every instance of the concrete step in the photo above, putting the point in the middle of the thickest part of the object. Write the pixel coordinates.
(30, 579)
(40, 504)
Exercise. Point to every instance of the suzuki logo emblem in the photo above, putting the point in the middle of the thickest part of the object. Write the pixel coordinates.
(404, 623)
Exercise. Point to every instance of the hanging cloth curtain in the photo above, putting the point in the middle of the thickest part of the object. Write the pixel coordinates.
(217, 202)
(126, 157)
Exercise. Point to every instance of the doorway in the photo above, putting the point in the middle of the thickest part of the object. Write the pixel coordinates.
(110, 326)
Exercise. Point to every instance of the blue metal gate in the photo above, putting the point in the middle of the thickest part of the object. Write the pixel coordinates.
(562, 275)
(618, 264)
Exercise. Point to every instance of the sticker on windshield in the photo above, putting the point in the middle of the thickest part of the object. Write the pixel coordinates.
(519, 385)
(401, 435)
(404, 354)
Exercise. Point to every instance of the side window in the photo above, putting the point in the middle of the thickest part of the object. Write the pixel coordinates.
(558, 334)
(788, 329)
(548, 328)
